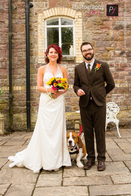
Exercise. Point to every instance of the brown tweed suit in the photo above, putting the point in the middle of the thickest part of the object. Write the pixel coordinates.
(93, 112)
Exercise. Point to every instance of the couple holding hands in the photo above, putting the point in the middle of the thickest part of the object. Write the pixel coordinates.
(47, 148)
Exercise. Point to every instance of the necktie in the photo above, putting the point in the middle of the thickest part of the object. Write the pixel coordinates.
(88, 68)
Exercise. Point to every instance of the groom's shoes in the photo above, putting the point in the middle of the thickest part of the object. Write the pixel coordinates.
(89, 164)
(101, 165)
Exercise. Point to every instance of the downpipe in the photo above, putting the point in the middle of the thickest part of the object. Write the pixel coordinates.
(28, 108)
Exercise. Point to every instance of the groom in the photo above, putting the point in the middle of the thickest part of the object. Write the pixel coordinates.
(93, 81)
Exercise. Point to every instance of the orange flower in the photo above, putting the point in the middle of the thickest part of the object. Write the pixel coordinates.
(97, 67)
(54, 84)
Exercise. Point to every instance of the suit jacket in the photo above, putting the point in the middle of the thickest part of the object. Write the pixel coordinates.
(97, 84)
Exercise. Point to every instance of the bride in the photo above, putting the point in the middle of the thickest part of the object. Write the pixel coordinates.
(47, 148)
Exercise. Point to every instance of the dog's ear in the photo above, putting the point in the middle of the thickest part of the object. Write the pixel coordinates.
(80, 142)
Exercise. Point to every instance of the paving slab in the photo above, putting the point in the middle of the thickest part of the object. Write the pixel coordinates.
(85, 181)
(111, 190)
(118, 157)
(50, 179)
(73, 171)
(3, 188)
(128, 164)
(125, 133)
(129, 140)
(6, 137)
(125, 146)
(116, 154)
(62, 191)
(14, 142)
(17, 175)
(6, 151)
(121, 140)
(108, 158)
(3, 161)
(20, 190)
(111, 144)
(112, 168)
(2, 142)
(121, 179)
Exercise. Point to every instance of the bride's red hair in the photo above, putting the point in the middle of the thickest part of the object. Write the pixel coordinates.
(58, 49)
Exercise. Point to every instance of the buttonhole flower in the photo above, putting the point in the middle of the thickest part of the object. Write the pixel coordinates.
(97, 67)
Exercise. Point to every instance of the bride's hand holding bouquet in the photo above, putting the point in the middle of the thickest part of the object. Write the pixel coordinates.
(58, 86)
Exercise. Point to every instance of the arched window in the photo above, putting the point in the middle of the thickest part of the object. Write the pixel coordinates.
(60, 31)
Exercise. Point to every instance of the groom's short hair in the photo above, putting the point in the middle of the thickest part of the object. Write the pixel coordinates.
(85, 43)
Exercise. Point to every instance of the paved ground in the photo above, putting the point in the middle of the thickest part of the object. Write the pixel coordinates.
(115, 180)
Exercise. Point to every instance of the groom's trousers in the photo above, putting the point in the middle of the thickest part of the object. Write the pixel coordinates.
(93, 121)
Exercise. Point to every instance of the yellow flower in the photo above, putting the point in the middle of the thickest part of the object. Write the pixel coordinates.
(50, 81)
(63, 80)
(65, 86)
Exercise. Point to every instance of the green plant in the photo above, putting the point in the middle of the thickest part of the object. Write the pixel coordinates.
(1, 94)
(1, 91)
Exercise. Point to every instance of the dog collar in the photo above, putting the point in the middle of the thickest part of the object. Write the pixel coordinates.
(75, 152)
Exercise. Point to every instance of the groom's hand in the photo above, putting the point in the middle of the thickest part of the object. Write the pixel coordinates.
(80, 92)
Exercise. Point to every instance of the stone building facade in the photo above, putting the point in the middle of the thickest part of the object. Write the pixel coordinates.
(109, 34)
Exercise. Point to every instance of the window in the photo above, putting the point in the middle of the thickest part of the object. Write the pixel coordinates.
(72, 18)
(60, 31)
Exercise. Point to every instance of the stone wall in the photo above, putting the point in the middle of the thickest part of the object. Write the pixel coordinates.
(110, 36)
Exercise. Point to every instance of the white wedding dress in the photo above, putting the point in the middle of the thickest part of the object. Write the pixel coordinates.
(47, 148)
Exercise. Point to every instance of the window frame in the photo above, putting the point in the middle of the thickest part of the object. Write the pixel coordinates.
(60, 36)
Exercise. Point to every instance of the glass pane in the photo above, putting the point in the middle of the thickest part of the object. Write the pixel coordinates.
(67, 41)
(52, 36)
(53, 21)
(65, 21)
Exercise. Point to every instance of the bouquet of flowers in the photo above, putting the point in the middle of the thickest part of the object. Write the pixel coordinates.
(57, 84)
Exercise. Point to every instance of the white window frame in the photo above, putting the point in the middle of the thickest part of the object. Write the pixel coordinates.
(60, 36)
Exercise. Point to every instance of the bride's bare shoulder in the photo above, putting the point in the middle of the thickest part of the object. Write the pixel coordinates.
(42, 68)
(62, 68)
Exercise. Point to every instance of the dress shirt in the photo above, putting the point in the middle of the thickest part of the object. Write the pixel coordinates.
(91, 64)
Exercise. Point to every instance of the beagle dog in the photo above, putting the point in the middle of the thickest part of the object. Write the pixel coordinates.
(76, 148)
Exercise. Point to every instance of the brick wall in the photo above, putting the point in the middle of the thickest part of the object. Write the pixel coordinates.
(111, 37)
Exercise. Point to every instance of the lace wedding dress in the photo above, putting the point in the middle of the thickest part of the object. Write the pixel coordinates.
(47, 148)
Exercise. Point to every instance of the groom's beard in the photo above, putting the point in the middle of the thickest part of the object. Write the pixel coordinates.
(89, 58)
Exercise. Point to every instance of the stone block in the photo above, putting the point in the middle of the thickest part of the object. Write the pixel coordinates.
(17, 176)
(3, 188)
(110, 190)
(121, 179)
(86, 181)
(73, 172)
(62, 191)
(112, 168)
(21, 189)
(50, 179)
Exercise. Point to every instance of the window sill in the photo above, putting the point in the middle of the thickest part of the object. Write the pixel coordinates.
(68, 58)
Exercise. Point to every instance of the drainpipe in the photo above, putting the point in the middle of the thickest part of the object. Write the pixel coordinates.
(27, 6)
(10, 72)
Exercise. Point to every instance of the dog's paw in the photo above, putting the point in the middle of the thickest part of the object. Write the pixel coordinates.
(80, 165)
